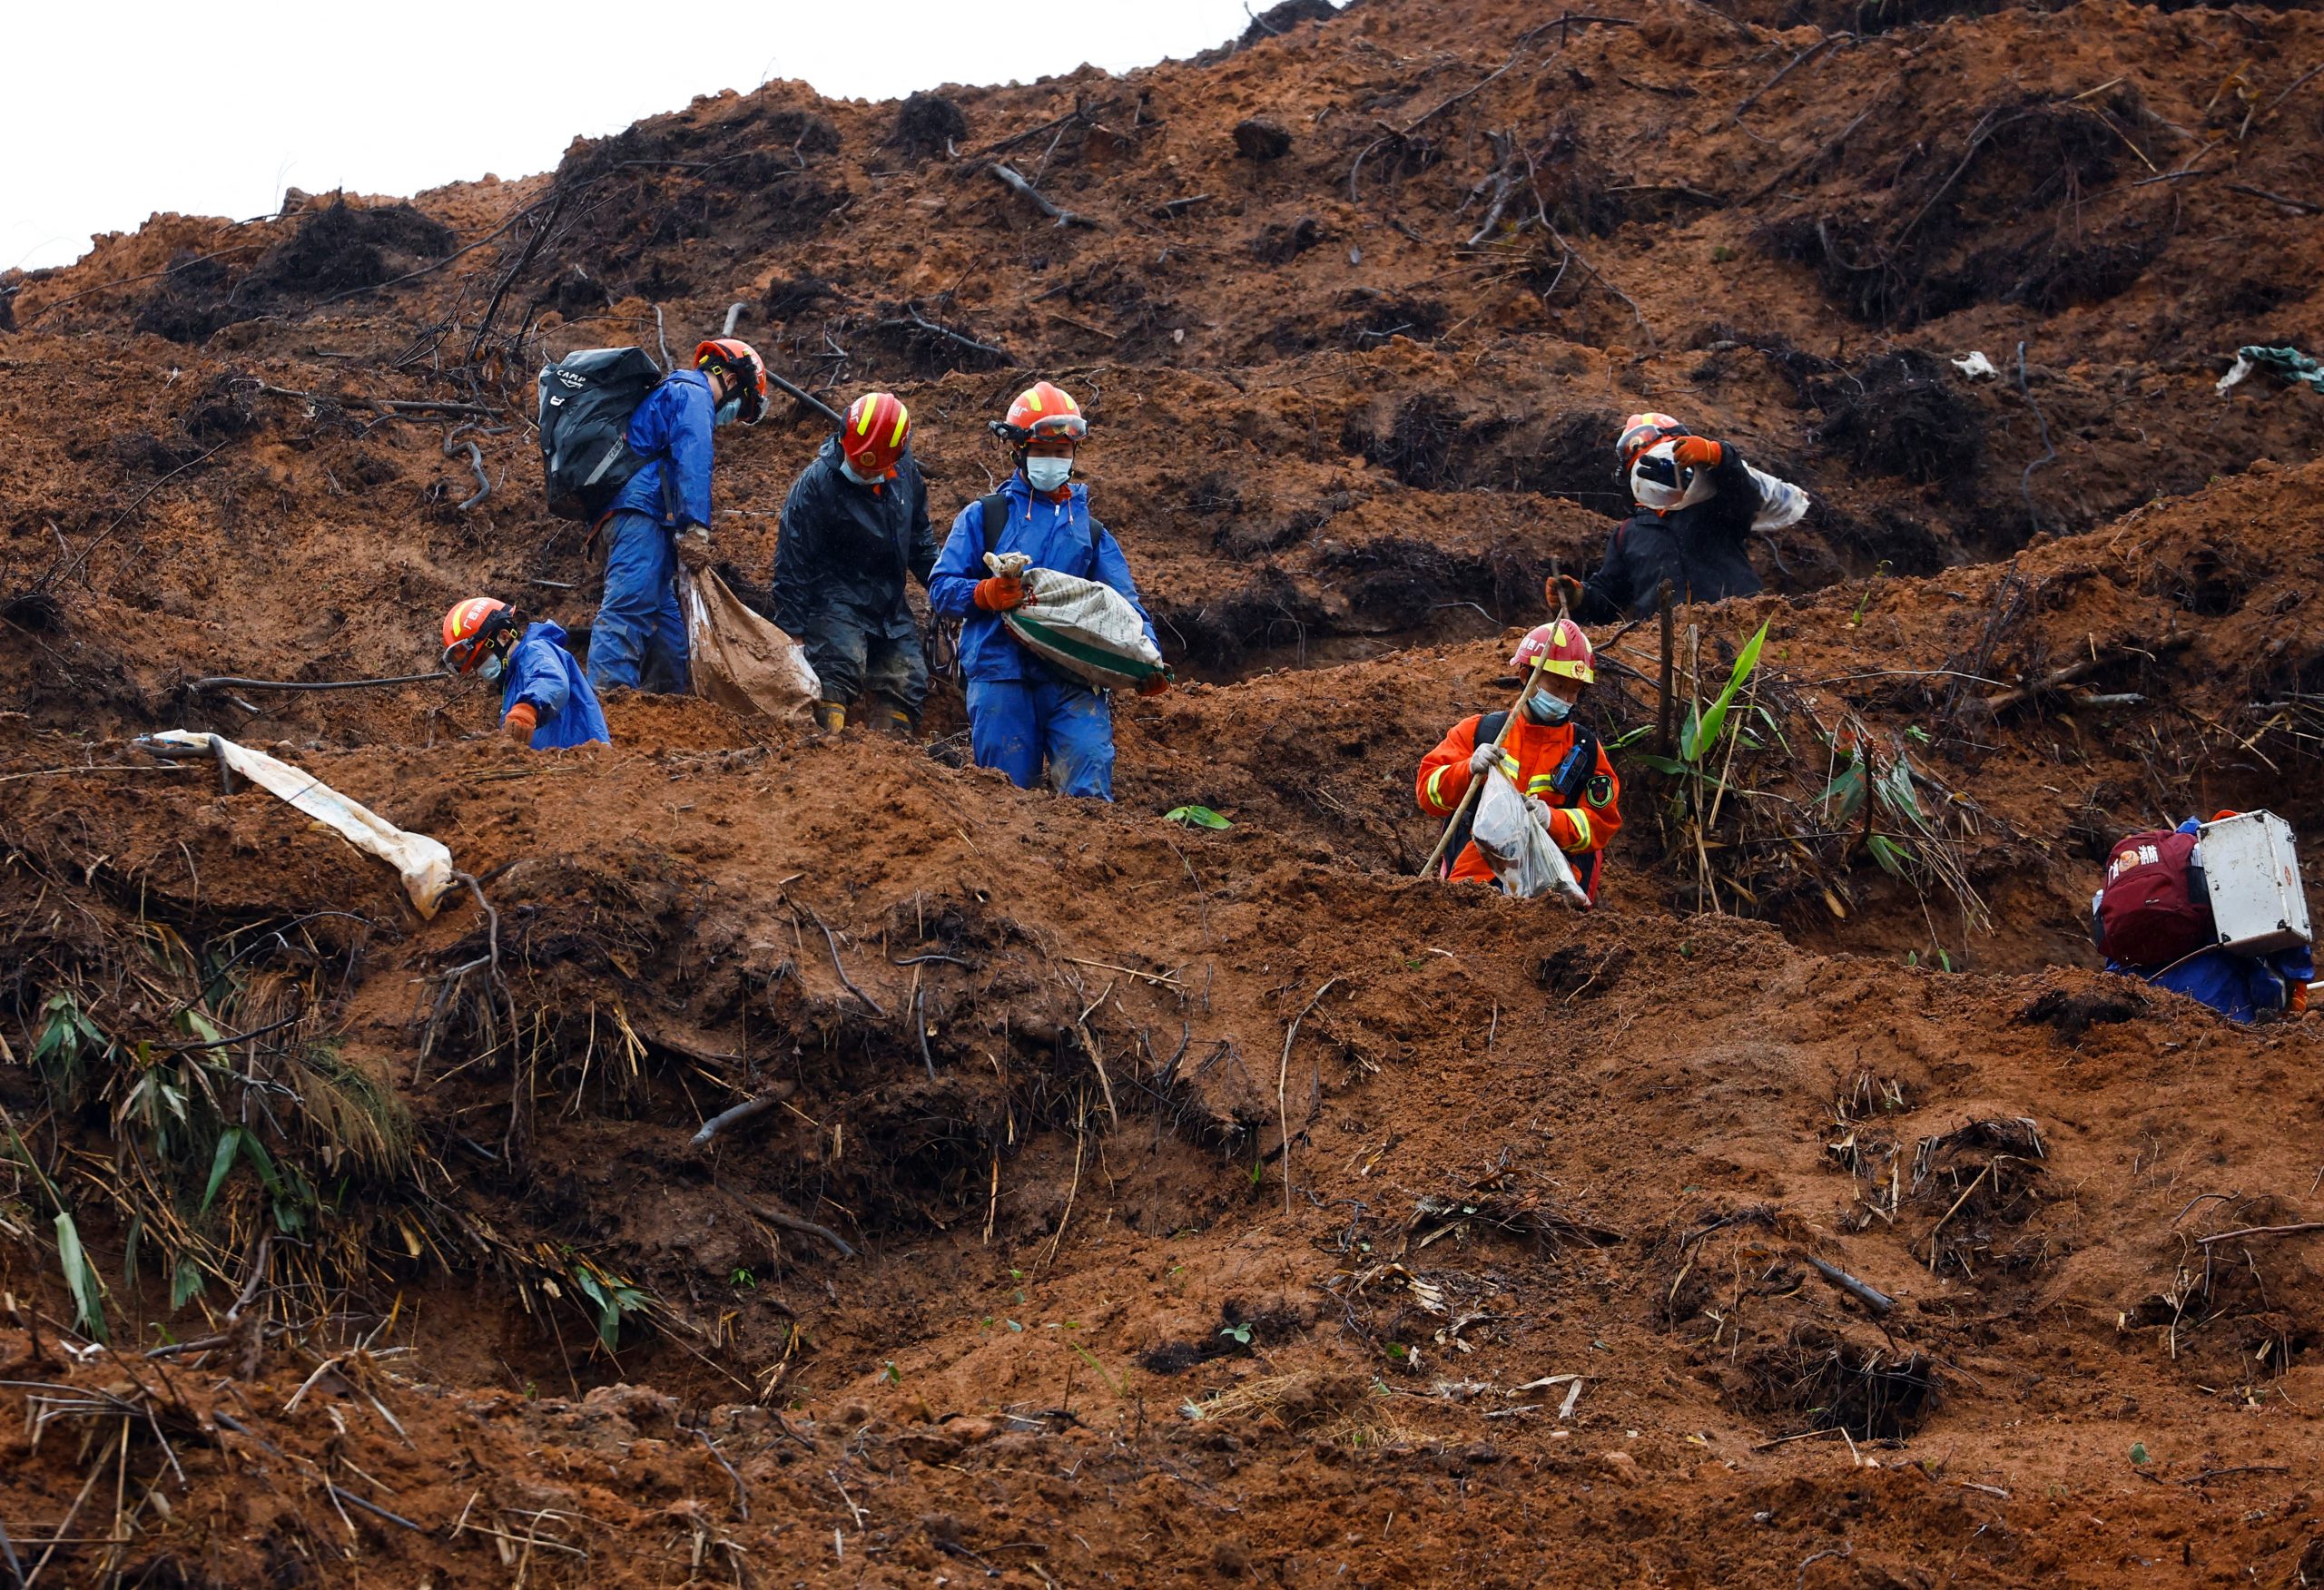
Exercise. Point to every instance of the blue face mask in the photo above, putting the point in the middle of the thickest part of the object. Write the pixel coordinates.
(1047, 475)
(1544, 707)
(728, 412)
(490, 668)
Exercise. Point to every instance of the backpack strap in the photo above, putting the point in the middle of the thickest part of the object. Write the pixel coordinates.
(991, 506)
(997, 504)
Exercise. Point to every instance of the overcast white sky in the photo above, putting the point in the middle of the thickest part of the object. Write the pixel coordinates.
(109, 113)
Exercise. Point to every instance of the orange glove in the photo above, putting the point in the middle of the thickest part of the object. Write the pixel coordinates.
(1153, 684)
(2299, 997)
(1698, 453)
(1002, 593)
(1563, 591)
(520, 722)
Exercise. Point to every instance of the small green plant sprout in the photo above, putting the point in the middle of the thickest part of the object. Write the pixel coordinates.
(1721, 253)
(1240, 1334)
(742, 1280)
(2138, 1454)
(1195, 817)
(893, 1375)
(1864, 600)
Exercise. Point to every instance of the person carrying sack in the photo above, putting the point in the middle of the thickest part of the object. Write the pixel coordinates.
(662, 517)
(1024, 715)
(1555, 762)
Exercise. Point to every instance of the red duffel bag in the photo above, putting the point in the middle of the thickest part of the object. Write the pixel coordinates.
(2155, 907)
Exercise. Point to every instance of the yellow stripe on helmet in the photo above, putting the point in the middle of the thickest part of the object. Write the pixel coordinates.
(903, 422)
(863, 407)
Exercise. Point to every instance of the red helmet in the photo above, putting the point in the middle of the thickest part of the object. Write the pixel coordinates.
(1042, 413)
(470, 629)
(1562, 648)
(742, 361)
(873, 437)
(1641, 431)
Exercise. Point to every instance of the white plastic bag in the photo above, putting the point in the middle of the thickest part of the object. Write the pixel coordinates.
(741, 660)
(1088, 628)
(426, 865)
(1517, 847)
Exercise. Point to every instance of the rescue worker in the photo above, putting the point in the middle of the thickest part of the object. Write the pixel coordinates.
(1695, 503)
(1024, 715)
(854, 524)
(546, 701)
(1555, 760)
(662, 517)
(2239, 986)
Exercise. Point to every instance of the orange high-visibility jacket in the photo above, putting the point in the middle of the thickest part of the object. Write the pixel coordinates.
(1580, 828)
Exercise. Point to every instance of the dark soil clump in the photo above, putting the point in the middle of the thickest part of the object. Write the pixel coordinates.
(927, 124)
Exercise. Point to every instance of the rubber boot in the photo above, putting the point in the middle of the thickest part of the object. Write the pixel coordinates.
(891, 719)
(831, 716)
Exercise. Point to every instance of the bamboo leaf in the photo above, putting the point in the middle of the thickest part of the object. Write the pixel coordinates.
(1848, 789)
(220, 1163)
(1890, 855)
(185, 1284)
(608, 1310)
(1690, 736)
(1714, 715)
(1195, 817)
(81, 1276)
(1663, 764)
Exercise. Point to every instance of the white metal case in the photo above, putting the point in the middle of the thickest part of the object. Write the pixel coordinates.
(2252, 872)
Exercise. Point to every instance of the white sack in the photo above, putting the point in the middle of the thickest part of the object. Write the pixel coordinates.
(1089, 630)
(1517, 847)
(426, 865)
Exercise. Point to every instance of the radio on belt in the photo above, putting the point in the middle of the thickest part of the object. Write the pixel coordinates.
(2252, 870)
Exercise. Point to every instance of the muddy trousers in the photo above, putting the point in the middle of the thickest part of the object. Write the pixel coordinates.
(855, 657)
(1017, 725)
(639, 642)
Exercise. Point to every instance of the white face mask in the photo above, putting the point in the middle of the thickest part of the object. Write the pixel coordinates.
(489, 668)
(848, 469)
(1544, 707)
(1047, 474)
(728, 412)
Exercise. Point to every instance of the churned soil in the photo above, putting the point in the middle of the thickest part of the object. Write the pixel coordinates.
(1131, 1202)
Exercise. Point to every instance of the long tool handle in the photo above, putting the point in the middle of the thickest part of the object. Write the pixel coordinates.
(1477, 784)
(809, 398)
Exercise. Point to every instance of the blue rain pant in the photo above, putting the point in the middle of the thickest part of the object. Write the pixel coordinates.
(1016, 724)
(640, 639)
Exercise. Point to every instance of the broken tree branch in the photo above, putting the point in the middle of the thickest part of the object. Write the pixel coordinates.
(230, 682)
(792, 1222)
(2280, 1231)
(1062, 216)
(1871, 1297)
(1281, 1073)
(913, 320)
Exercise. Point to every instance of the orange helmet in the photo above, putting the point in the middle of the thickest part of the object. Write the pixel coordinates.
(873, 435)
(1042, 413)
(471, 628)
(742, 361)
(1561, 648)
(1641, 431)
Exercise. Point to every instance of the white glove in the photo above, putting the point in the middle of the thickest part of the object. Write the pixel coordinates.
(1540, 811)
(1488, 756)
(694, 549)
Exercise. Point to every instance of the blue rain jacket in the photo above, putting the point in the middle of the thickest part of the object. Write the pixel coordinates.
(672, 429)
(1060, 535)
(540, 671)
